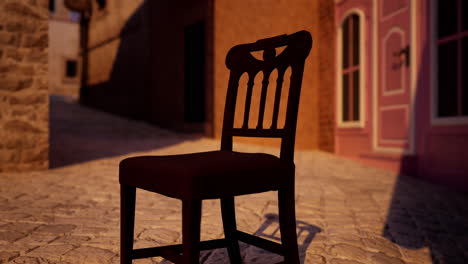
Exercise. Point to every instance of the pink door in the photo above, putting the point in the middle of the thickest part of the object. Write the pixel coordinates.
(393, 90)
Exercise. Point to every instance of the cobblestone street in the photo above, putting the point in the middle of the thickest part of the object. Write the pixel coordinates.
(347, 213)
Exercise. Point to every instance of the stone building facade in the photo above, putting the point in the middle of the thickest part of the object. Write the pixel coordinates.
(24, 104)
(160, 62)
(64, 50)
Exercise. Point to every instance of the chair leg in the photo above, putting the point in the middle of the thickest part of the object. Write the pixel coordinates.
(127, 222)
(229, 222)
(287, 218)
(191, 220)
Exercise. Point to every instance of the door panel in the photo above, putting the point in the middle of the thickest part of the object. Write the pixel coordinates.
(393, 92)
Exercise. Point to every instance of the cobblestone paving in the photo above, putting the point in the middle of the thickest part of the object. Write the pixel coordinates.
(347, 213)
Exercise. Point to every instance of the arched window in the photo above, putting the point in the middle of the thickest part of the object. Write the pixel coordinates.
(350, 69)
(452, 67)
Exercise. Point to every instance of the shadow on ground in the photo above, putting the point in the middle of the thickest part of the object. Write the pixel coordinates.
(269, 229)
(79, 134)
(426, 215)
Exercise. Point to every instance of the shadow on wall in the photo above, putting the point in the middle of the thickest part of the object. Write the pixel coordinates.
(424, 215)
(79, 134)
(126, 91)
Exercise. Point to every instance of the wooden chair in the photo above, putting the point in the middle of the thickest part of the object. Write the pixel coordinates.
(225, 173)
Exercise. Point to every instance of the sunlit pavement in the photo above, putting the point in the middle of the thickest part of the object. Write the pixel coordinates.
(347, 213)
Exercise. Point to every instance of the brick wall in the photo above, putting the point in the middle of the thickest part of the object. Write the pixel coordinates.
(24, 105)
(326, 68)
(239, 22)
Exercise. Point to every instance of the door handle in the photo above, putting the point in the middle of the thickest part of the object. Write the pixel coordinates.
(404, 55)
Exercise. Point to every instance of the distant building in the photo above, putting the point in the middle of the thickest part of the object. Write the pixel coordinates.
(384, 85)
(64, 50)
(163, 61)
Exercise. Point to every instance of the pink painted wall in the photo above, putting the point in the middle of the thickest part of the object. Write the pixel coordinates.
(352, 142)
(440, 150)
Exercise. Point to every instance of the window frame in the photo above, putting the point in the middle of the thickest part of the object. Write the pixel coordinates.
(435, 43)
(360, 123)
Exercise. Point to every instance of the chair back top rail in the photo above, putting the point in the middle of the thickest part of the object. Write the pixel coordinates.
(240, 60)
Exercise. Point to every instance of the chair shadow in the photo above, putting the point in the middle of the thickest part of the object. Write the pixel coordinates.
(305, 233)
(269, 229)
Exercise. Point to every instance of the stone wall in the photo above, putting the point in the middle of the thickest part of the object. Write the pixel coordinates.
(24, 103)
(64, 46)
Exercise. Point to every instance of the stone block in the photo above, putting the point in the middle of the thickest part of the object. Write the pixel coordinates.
(19, 126)
(55, 229)
(32, 41)
(8, 84)
(12, 141)
(11, 236)
(7, 256)
(29, 260)
(10, 39)
(381, 258)
(31, 99)
(52, 252)
(15, 55)
(37, 56)
(86, 254)
(20, 9)
(21, 26)
(37, 154)
(26, 70)
(349, 252)
(382, 245)
(8, 156)
(5, 68)
(344, 261)
(19, 112)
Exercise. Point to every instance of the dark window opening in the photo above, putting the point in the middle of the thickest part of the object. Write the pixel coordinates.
(194, 110)
(101, 4)
(350, 69)
(345, 98)
(447, 12)
(452, 68)
(52, 5)
(71, 69)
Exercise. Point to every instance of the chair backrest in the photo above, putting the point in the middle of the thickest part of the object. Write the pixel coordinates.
(240, 60)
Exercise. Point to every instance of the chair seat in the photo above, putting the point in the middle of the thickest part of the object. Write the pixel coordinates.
(206, 175)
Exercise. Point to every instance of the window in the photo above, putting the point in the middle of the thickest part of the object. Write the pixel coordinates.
(194, 109)
(101, 4)
(52, 6)
(71, 68)
(350, 69)
(452, 50)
